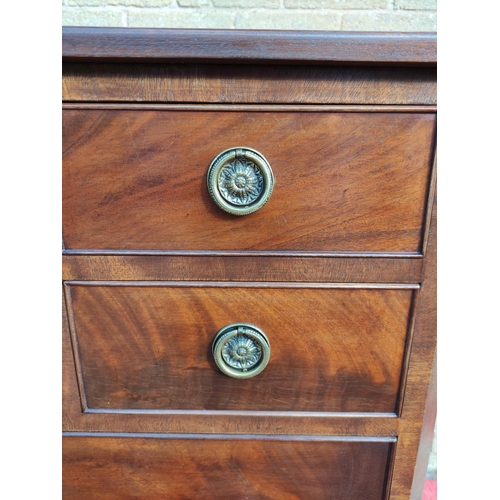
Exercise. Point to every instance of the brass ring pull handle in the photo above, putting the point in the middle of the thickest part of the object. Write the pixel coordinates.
(240, 180)
(241, 350)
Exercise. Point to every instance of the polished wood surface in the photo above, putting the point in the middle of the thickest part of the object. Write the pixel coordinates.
(149, 347)
(77, 417)
(228, 467)
(417, 418)
(344, 181)
(312, 268)
(227, 84)
(247, 46)
(127, 126)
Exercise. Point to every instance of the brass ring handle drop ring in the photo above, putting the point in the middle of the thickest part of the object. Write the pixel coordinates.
(240, 180)
(241, 350)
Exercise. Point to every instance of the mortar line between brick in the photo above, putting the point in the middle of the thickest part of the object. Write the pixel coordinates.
(191, 10)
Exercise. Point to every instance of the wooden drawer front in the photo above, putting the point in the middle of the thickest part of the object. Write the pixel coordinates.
(136, 180)
(149, 347)
(229, 467)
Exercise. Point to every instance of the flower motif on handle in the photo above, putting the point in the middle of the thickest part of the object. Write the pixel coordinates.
(240, 182)
(241, 352)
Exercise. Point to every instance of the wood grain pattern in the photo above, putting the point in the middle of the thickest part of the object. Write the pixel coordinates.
(248, 84)
(71, 403)
(366, 100)
(230, 46)
(240, 268)
(266, 423)
(224, 467)
(408, 475)
(146, 347)
(77, 366)
(430, 205)
(344, 181)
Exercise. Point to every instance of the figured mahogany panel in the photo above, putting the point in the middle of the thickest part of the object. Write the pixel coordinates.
(241, 268)
(332, 349)
(136, 180)
(229, 83)
(228, 467)
(199, 422)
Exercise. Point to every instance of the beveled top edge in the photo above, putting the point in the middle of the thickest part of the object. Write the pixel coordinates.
(248, 46)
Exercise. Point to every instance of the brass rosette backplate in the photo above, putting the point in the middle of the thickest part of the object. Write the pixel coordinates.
(241, 350)
(240, 180)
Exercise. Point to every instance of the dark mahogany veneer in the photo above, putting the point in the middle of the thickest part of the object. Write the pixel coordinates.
(338, 268)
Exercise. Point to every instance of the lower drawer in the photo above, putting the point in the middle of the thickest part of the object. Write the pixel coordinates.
(145, 347)
(229, 467)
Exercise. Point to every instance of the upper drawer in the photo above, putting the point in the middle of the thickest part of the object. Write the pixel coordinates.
(136, 180)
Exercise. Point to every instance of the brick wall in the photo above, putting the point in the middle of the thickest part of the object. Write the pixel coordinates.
(353, 15)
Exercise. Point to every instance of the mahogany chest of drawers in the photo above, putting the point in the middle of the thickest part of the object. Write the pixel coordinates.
(248, 264)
